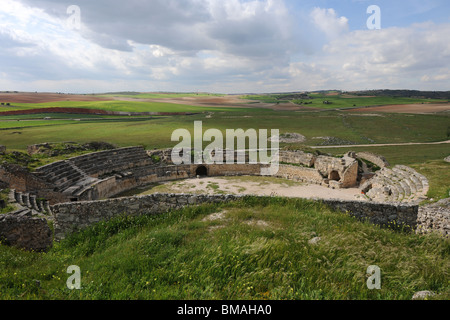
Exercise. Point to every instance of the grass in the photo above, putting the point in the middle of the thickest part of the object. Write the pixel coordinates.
(438, 174)
(4, 195)
(340, 101)
(124, 106)
(258, 250)
(156, 132)
(405, 155)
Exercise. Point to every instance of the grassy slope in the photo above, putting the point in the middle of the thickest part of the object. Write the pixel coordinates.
(182, 256)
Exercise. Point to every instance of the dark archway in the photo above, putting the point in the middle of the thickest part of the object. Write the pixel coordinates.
(201, 171)
(334, 176)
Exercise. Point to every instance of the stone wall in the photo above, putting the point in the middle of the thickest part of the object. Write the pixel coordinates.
(20, 179)
(340, 172)
(297, 157)
(302, 174)
(25, 232)
(71, 217)
(380, 161)
(435, 218)
(382, 214)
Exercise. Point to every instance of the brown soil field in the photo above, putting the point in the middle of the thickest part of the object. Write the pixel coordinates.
(31, 97)
(407, 108)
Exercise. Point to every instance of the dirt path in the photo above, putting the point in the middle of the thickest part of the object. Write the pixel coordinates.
(381, 145)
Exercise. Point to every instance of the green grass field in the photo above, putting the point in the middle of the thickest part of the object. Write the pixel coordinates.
(125, 106)
(156, 132)
(340, 101)
(183, 256)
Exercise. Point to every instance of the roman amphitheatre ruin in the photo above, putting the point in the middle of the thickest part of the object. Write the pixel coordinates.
(83, 190)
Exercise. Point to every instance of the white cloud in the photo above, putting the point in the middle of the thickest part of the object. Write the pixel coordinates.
(328, 22)
(228, 46)
(417, 57)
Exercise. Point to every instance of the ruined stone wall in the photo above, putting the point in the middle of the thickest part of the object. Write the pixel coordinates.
(216, 170)
(342, 172)
(25, 232)
(380, 161)
(297, 157)
(301, 174)
(20, 179)
(378, 213)
(71, 217)
(435, 218)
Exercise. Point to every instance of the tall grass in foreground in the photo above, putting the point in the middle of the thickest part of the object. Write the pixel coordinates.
(252, 249)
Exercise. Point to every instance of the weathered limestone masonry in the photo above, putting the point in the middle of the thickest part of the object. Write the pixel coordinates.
(380, 161)
(435, 217)
(335, 172)
(72, 217)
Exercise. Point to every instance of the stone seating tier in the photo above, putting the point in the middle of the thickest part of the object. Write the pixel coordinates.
(105, 162)
(403, 183)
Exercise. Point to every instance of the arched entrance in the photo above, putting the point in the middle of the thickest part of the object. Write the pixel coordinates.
(334, 176)
(201, 171)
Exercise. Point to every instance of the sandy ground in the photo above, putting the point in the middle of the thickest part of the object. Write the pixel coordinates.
(238, 185)
(407, 108)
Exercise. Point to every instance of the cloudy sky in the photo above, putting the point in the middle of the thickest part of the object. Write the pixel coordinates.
(224, 46)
